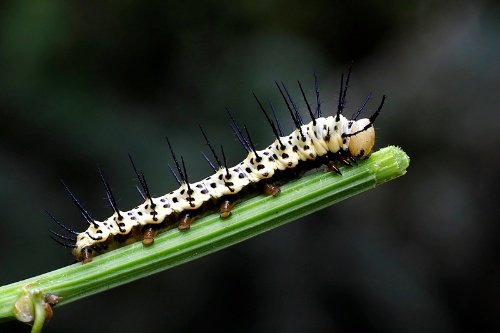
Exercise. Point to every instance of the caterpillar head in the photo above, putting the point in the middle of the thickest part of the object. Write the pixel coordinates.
(362, 138)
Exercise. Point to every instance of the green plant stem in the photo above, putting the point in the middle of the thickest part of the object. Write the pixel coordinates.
(210, 234)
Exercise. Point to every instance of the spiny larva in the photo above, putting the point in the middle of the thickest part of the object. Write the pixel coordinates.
(325, 140)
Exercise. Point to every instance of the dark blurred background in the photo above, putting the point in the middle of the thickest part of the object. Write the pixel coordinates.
(83, 83)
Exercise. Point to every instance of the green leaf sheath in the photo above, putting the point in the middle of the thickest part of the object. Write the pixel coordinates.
(211, 233)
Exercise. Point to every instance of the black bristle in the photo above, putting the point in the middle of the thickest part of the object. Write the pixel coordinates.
(83, 211)
(361, 108)
(343, 92)
(297, 114)
(273, 127)
(211, 149)
(277, 120)
(110, 196)
(224, 159)
(209, 162)
(175, 175)
(67, 245)
(318, 101)
(239, 134)
(252, 145)
(374, 116)
(140, 193)
(61, 224)
(307, 103)
(141, 179)
(179, 170)
(294, 119)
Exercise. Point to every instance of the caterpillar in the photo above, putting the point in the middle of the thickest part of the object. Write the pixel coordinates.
(325, 140)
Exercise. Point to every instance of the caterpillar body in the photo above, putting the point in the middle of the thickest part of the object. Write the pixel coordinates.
(325, 140)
